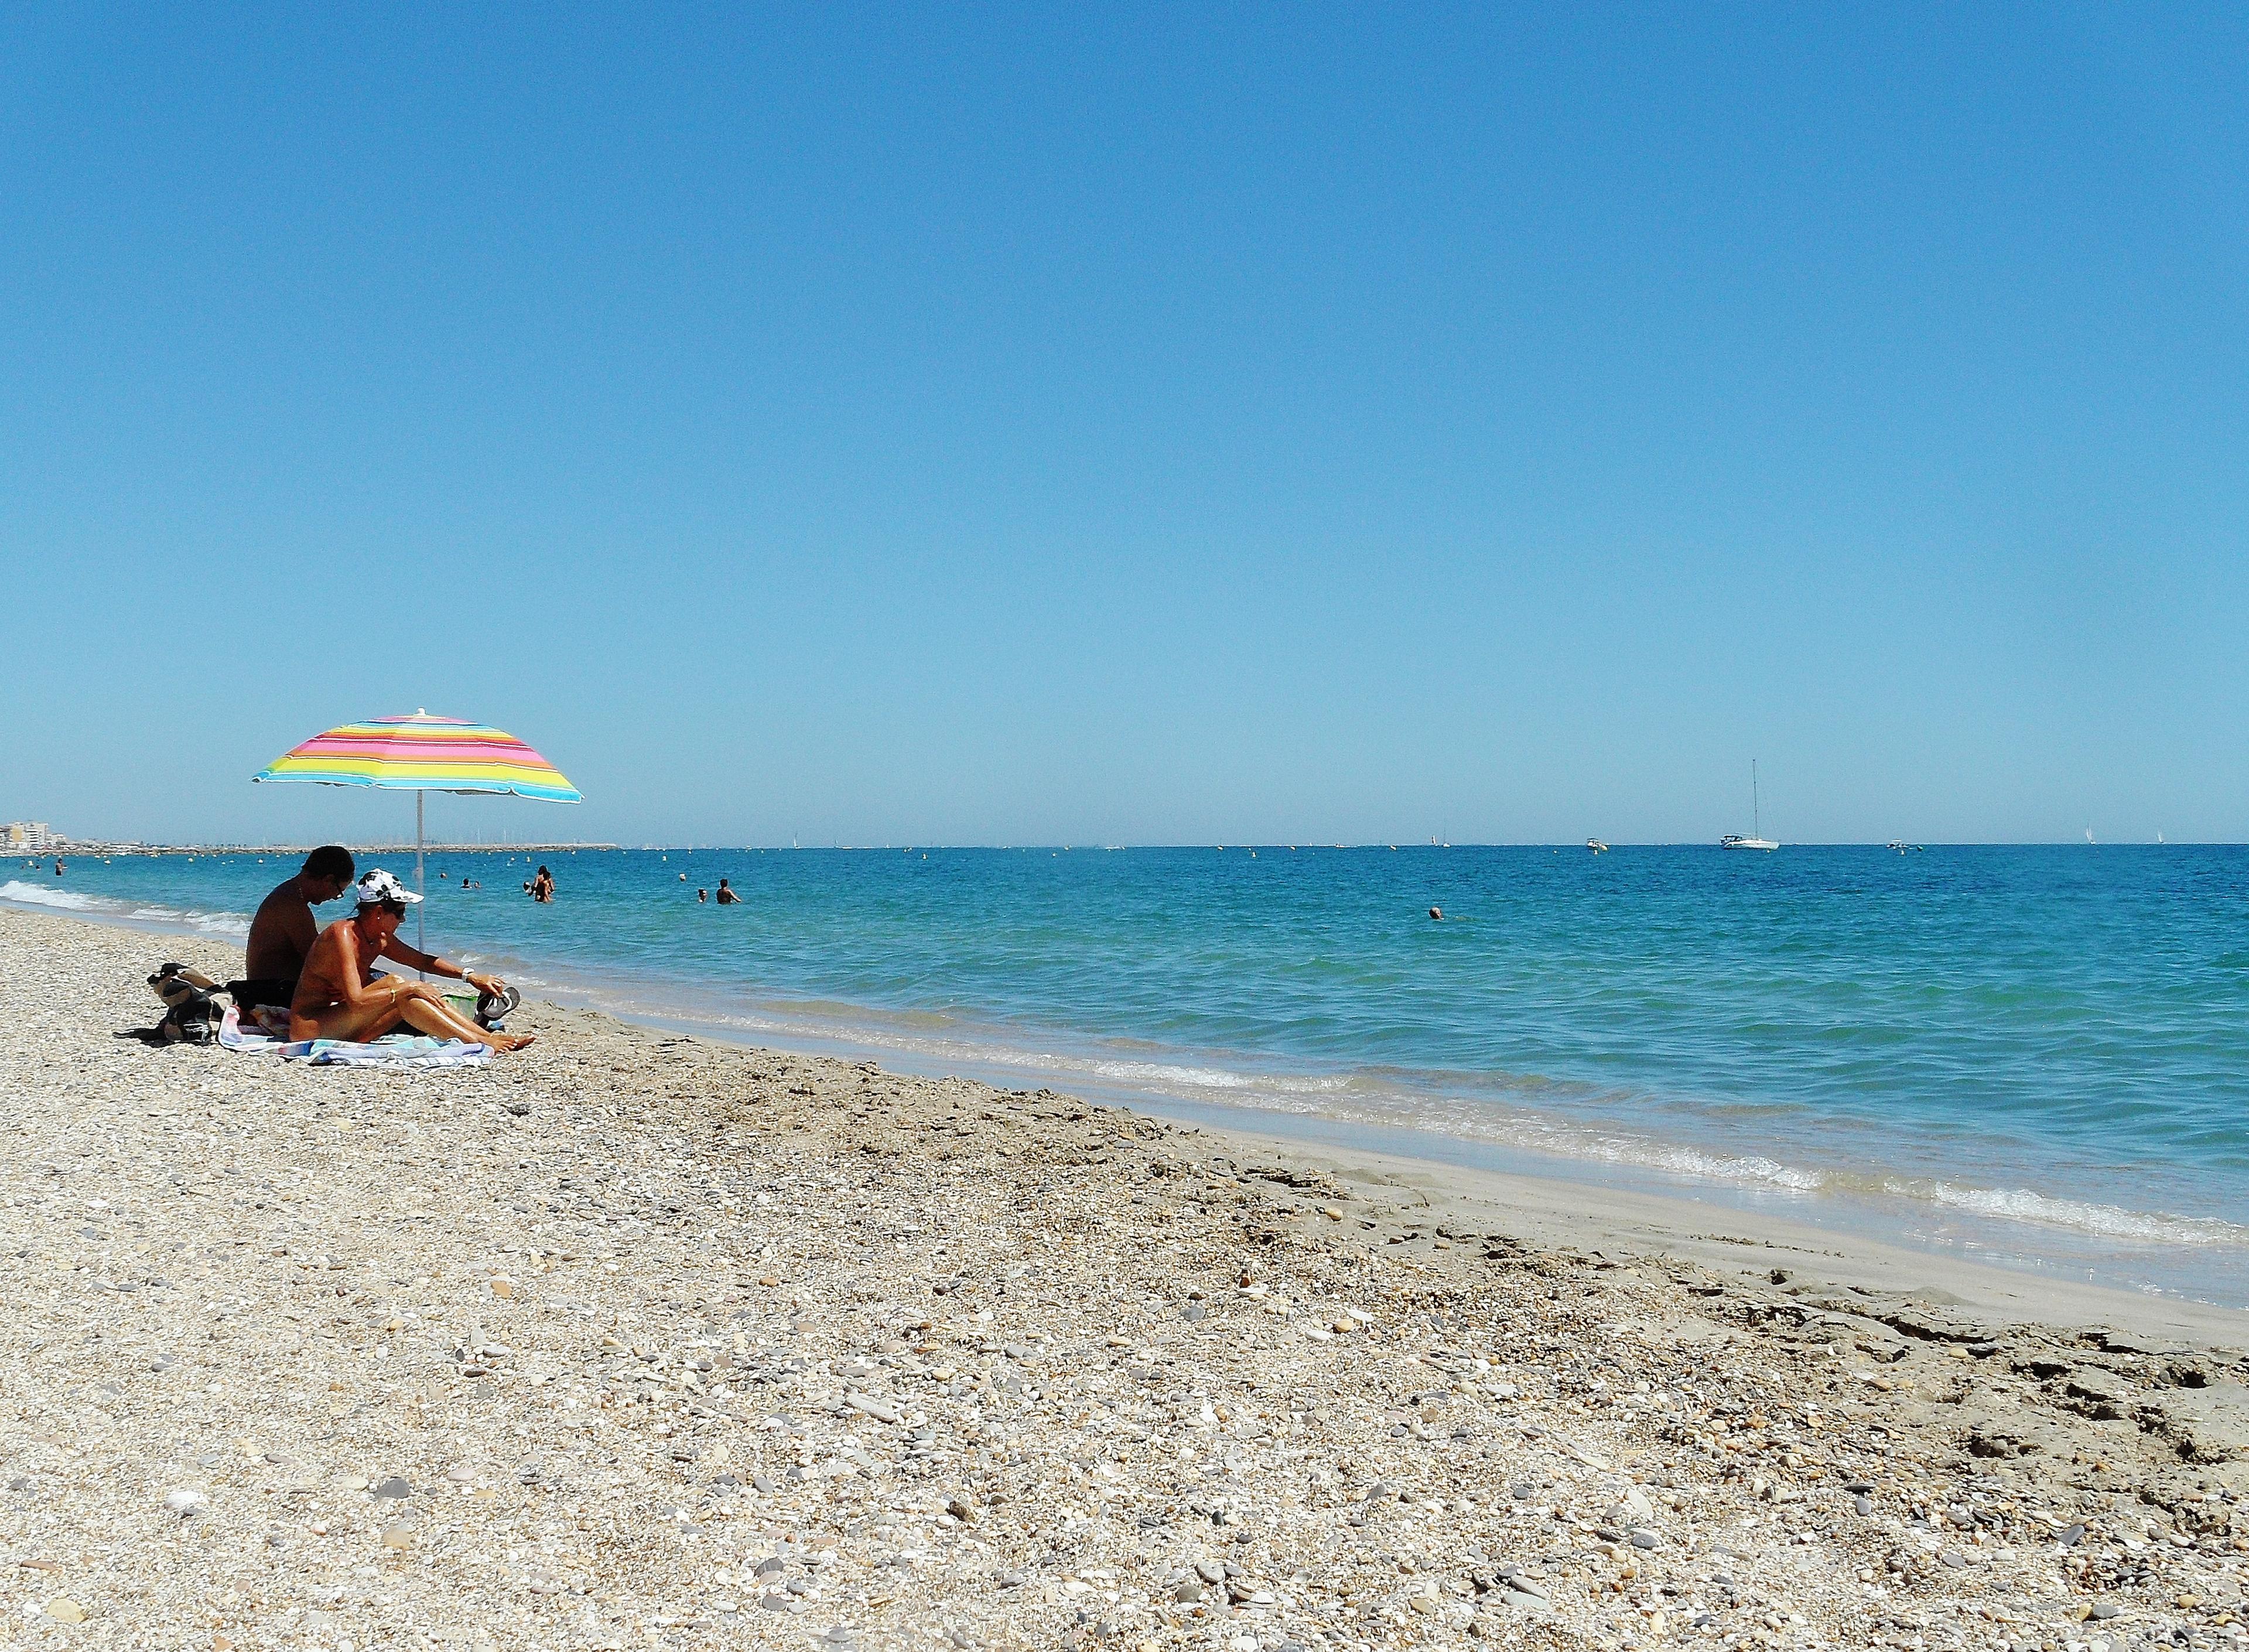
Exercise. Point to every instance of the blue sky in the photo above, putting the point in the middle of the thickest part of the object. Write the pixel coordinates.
(968, 424)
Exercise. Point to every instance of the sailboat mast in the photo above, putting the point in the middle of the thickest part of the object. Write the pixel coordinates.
(1756, 819)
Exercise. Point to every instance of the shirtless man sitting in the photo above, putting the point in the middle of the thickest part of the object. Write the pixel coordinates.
(339, 995)
(283, 930)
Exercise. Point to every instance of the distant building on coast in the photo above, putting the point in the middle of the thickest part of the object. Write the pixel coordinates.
(28, 837)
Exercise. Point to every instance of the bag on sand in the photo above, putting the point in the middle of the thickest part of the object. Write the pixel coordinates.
(191, 1014)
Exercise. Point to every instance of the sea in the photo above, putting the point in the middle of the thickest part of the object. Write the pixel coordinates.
(2036, 1056)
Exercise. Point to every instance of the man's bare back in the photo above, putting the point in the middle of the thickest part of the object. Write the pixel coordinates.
(281, 934)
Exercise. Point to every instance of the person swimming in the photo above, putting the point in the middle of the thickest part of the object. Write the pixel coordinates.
(726, 895)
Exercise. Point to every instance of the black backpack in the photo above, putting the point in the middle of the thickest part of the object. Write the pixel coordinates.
(192, 1013)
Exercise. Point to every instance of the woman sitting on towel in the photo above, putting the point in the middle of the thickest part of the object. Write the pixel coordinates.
(339, 997)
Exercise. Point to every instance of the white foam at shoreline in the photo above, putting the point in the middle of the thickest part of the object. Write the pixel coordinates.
(2109, 1222)
(1351, 1099)
(1154, 1073)
(36, 895)
(1347, 1098)
(236, 924)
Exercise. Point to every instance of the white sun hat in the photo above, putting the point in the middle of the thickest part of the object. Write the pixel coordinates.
(376, 887)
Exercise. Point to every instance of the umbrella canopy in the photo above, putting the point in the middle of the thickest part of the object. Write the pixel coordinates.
(423, 753)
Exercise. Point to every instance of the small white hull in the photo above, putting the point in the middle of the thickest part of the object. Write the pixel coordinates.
(1747, 842)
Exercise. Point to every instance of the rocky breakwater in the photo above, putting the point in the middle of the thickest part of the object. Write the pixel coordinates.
(635, 1338)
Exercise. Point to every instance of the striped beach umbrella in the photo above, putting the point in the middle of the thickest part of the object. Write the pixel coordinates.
(422, 753)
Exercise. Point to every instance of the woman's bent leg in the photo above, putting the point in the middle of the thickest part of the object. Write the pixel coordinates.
(427, 1011)
(345, 1022)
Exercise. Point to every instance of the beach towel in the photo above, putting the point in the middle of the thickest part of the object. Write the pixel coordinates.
(403, 1051)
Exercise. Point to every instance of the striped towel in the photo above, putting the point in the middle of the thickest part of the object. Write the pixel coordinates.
(403, 1051)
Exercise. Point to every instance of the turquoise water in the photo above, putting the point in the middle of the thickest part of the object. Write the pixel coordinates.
(2040, 1054)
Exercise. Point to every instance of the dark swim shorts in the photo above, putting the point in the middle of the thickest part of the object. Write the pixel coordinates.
(251, 993)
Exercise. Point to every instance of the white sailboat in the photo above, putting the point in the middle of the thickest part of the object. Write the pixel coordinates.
(1757, 839)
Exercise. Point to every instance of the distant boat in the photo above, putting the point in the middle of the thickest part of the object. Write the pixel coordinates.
(1597, 846)
(2088, 834)
(1757, 838)
(1907, 849)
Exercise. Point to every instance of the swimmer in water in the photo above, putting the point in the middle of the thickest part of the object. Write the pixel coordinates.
(1437, 913)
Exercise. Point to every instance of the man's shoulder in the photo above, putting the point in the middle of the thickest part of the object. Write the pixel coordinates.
(284, 894)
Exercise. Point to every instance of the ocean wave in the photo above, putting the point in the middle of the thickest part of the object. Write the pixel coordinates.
(1502, 1112)
(234, 924)
(39, 895)
(861, 1033)
(1218, 1079)
(2078, 1215)
(2014, 1207)
(1391, 1101)
(1571, 1140)
(1696, 1164)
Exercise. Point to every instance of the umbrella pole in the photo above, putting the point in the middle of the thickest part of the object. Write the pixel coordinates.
(421, 939)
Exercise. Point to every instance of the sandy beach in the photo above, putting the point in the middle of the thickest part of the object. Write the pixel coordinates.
(636, 1338)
